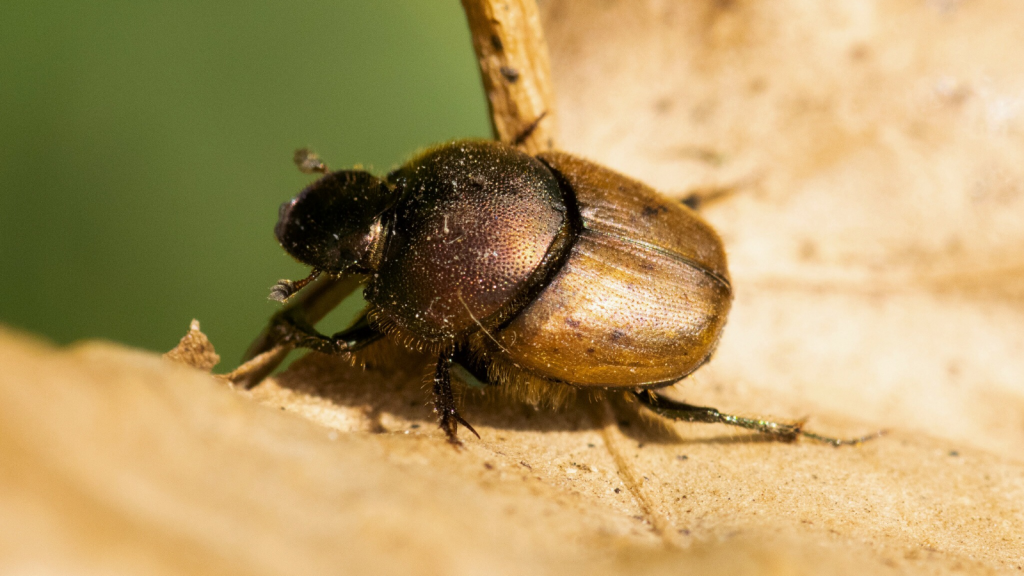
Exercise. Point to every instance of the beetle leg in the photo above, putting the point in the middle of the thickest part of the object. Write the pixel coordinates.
(469, 370)
(293, 329)
(305, 308)
(785, 432)
(700, 197)
(444, 401)
(289, 331)
(528, 130)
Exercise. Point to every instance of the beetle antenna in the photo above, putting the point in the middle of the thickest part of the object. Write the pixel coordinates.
(284, 289)
(478, 323)
(309, 162)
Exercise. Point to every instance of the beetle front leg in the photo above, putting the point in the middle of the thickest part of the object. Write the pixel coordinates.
(307, 307)
(289, 330)
(444, 401)
(782, 431)
(292, 329)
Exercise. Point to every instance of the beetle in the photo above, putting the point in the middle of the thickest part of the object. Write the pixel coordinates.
(545, 273)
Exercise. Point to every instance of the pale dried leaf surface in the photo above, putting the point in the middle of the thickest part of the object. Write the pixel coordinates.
(116, 461)
(876, 223)
(875, 234)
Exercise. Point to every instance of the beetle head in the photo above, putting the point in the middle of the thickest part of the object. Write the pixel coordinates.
(334, 225)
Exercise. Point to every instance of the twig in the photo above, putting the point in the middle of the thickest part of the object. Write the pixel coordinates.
(513, 58)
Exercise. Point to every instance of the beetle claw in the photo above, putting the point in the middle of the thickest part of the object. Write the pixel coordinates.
(468, 426)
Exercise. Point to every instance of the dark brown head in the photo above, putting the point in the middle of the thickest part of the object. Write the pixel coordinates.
(334, 225)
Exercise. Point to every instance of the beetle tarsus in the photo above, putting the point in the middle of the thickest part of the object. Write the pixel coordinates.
(285, 289)
(837, 442)
(781, 431)
(282, 290)
(444, 402)
(468, 426)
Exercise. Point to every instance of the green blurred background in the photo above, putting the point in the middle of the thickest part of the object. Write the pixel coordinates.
(145, 148)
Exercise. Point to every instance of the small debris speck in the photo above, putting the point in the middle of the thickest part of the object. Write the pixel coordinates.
(954, 453)
(617, 490)
(682, 457)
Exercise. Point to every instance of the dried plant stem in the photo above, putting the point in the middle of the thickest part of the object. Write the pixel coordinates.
(513, 58)
(614, 441)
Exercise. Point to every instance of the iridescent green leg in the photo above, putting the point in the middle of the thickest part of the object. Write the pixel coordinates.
(781, 431)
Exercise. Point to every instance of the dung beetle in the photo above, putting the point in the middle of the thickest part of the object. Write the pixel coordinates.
(542, 274)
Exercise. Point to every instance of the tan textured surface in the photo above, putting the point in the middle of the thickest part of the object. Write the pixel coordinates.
(875, 229)
(116, 461)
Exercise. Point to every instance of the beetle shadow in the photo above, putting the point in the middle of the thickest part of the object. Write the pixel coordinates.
(398, 382)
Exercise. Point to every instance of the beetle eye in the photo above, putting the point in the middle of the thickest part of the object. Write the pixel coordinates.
(330, 224)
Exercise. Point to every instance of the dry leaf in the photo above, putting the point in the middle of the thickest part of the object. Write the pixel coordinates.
(874, 225)
(877, 218)
(195, 350)
(118, 462)
(866, 164)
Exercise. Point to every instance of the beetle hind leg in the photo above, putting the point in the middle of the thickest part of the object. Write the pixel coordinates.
(782, 431)
(444, 401)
